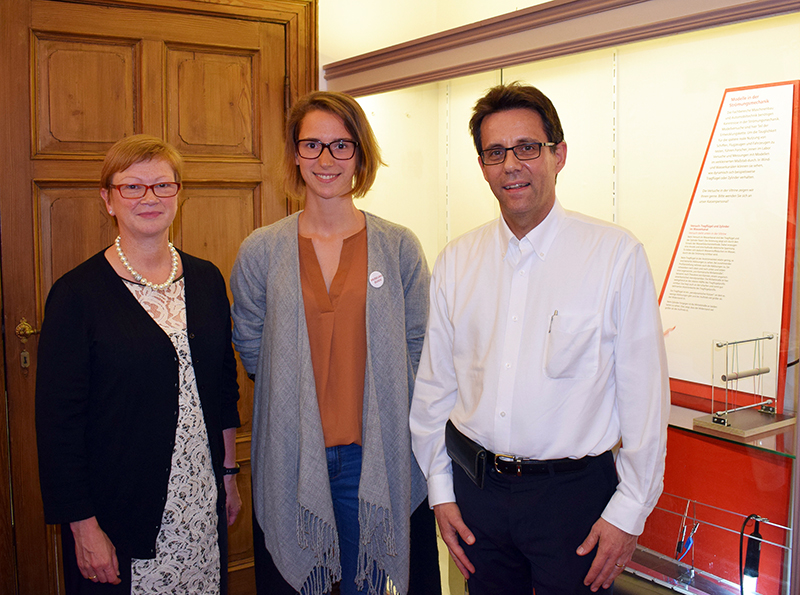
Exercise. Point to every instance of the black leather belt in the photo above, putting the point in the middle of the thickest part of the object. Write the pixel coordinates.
(511, 465)
(474, 459)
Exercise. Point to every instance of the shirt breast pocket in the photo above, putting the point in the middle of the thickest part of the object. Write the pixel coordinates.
(573, 346)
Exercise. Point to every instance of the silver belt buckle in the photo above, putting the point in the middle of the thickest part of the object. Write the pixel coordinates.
(508, 459)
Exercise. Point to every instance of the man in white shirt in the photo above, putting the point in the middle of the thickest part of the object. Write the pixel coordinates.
(544, 351)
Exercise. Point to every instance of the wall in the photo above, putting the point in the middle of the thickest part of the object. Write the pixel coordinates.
(637, 120)
(349, 28)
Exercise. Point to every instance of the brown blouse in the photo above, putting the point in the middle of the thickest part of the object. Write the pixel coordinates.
(337, 333)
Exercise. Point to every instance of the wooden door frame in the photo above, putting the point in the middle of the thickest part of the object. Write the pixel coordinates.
(19, 536)
(7, 566)
(16, 219)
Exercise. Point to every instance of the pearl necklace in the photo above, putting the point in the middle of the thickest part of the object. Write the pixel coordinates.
(138, 276)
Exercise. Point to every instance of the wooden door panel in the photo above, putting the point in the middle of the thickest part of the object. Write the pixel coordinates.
(210, 97)
(165, 23)
(73, 225)
(84, 94)
(211, 76)
(211, 219)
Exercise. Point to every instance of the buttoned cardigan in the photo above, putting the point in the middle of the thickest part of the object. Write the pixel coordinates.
(107, 397)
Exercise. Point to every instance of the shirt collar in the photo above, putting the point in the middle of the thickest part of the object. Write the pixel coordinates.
(537, 240)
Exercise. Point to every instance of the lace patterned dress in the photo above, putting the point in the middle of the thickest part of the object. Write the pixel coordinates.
(187, 550)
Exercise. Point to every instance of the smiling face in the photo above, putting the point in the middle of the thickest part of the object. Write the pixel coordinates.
(526, 190)
(326, 178)
(149, 216)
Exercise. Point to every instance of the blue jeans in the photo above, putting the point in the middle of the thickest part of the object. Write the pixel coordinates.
(344, 467)
(344, 472)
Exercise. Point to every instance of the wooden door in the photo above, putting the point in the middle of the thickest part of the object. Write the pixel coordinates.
(213, 77)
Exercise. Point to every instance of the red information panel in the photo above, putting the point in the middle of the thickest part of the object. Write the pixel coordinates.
(730, 279)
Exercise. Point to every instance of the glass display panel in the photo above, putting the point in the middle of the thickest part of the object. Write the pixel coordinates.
(637, 119)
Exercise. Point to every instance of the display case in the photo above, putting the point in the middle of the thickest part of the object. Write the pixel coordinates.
(637, 121)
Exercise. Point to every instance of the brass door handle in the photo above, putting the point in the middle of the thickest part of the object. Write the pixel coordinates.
(24, 330)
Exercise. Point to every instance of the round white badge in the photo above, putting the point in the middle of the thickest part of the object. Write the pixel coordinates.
(376, 279)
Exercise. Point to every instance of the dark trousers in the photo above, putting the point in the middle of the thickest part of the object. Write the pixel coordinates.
(424, 559)
(527, 528)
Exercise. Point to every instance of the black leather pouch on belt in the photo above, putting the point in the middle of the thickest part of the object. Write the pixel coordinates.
(466, 453)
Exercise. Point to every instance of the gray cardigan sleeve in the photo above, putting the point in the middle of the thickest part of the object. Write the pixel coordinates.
(416, 281)
(248, 285)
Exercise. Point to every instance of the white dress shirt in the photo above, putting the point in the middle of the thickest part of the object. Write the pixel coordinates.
(545, 348)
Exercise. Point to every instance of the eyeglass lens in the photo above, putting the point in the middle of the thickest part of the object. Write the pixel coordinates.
(162, 190)
(340, 149)
(525, 152)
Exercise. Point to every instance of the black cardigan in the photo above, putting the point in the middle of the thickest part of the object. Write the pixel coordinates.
(107, 398)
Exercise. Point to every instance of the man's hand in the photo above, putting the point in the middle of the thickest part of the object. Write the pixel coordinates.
(448, 516)
(96, 555)
(614, 551)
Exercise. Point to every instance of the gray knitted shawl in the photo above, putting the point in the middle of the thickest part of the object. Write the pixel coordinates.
(291, 490)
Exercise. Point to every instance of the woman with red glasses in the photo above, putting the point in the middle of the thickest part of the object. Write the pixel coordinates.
(136, 398)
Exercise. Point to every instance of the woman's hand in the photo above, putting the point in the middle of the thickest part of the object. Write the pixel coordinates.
(96, 555)
(233, 501)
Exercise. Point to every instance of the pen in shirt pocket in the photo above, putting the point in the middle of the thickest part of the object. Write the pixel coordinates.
(550, 328)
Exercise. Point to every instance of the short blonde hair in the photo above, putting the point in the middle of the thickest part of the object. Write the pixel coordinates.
(368, 153)
(137, 149)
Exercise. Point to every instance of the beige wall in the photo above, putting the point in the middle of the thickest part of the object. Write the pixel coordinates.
(349, 28)
(637, 120)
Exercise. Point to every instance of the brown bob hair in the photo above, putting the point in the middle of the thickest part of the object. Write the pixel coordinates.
(137, 149)
(516, 96)
(368, 153)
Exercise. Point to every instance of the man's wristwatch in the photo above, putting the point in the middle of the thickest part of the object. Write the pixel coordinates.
(231, 470)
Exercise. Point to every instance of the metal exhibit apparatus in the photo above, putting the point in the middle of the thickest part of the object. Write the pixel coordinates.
(732, 375)
(744, 383)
